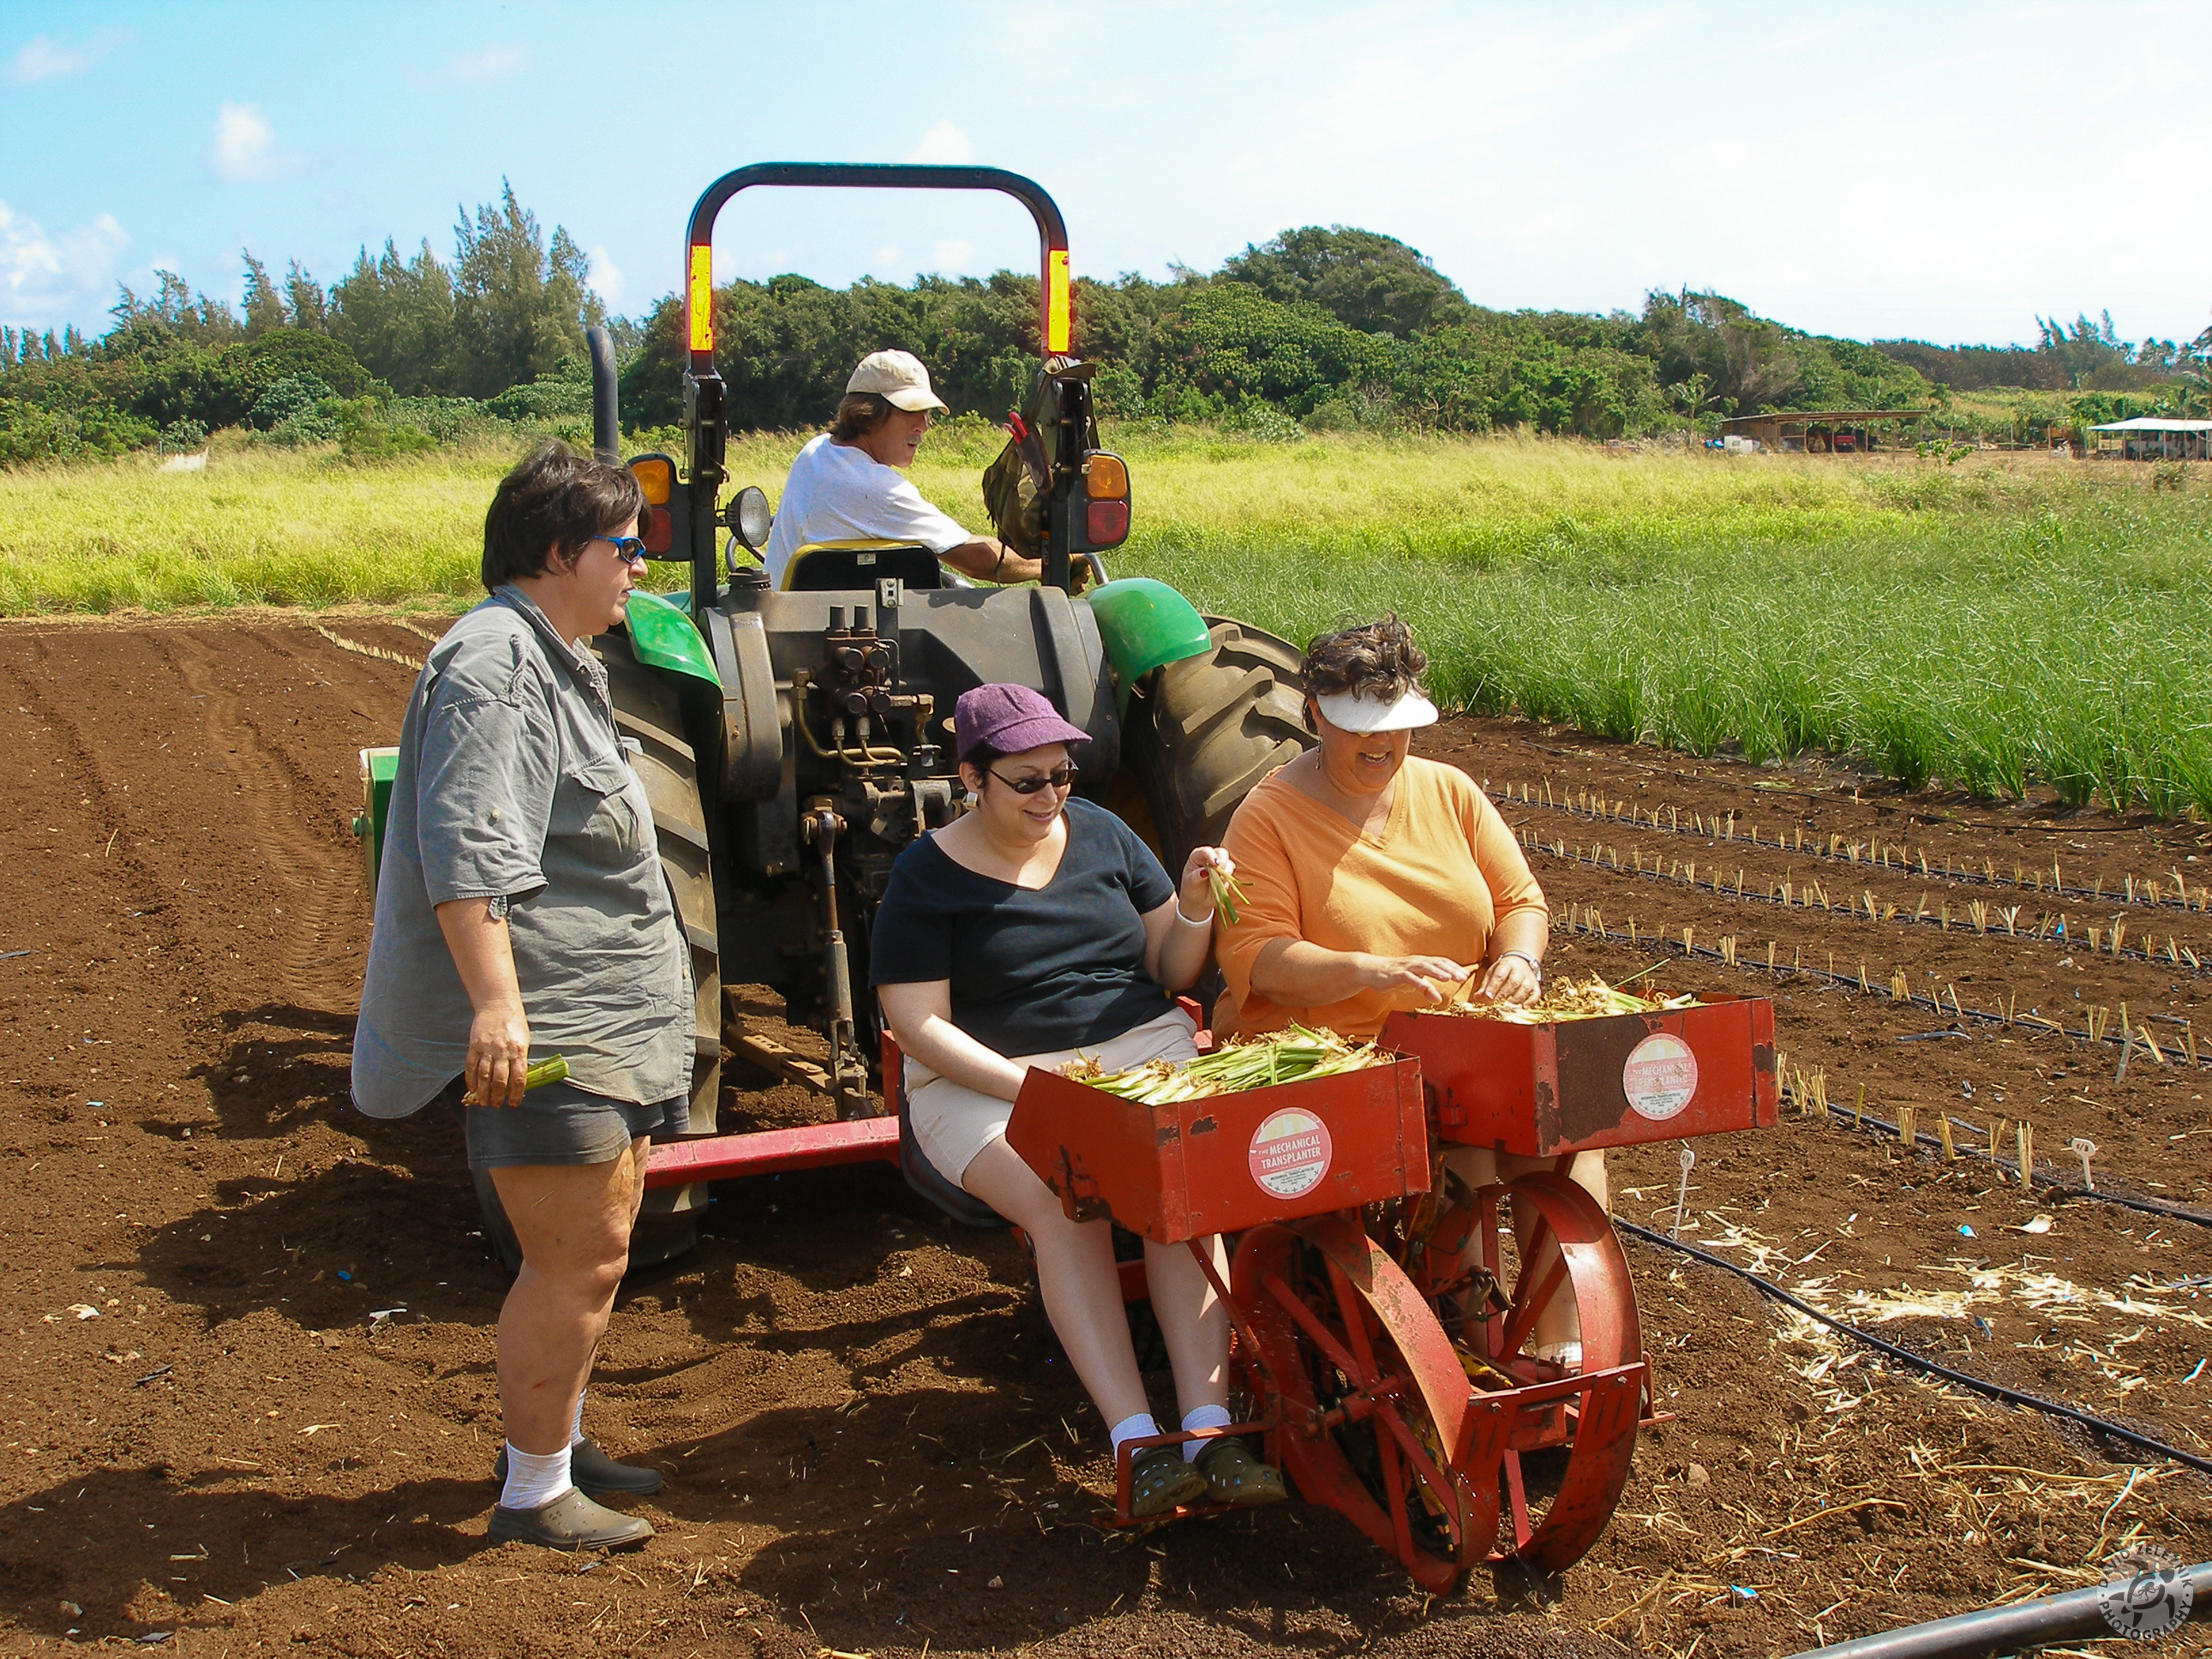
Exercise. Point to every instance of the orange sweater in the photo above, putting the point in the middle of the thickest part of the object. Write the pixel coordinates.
(1433, 884)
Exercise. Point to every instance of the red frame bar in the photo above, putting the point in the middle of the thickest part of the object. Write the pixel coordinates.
(812, 1146)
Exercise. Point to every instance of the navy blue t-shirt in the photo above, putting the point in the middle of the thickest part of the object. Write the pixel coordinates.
(1060, 966)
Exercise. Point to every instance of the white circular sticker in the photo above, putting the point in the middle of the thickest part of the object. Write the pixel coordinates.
(1290, 1153)
(1660, 1077)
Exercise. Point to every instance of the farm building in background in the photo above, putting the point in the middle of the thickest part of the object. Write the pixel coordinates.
(1819, 431)
(2153, 438)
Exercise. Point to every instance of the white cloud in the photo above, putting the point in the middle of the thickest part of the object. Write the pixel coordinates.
(246, 146)
(493, 63)
(954, 256)
(42, 57)
(606, 276)
(41, 276)
(887, 256)
(943, 145)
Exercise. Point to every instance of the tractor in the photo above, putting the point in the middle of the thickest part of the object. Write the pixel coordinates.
(794, 739)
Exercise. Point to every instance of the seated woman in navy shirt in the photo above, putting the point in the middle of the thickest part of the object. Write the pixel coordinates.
(1034, 927)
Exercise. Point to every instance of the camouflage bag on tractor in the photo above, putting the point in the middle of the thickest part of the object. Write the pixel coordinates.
(794, 740)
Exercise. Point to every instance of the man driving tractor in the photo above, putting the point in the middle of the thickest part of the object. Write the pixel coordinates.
(844, 485)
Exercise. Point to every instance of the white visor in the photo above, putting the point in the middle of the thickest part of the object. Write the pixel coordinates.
(1347, 711)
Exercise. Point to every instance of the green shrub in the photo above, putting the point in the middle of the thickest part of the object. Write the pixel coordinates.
(287, 399)
(184, 437)
(1254, 418)
(30, 434)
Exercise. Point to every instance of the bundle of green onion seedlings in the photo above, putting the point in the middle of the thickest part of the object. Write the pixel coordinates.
(1291, 1055)
(1228, 895)
(1563, 998)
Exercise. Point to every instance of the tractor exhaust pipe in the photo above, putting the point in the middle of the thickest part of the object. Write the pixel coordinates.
(606, 426)
(2016, 1629)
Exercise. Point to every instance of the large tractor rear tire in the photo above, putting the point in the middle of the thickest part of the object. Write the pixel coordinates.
(646, 711)
(1204, 731)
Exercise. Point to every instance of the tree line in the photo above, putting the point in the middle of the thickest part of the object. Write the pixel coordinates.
(1314, 329)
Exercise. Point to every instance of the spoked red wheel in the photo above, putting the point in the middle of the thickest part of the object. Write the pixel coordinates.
(1371, 1401)
(1549, 1447)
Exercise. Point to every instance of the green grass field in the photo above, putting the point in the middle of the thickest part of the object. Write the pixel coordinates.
(2000, 623)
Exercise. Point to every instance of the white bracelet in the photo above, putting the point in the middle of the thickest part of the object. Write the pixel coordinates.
(1534, 966)
(1191, 922)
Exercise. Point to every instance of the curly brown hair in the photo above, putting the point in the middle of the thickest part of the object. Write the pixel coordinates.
(1376, 660)
(858, 413)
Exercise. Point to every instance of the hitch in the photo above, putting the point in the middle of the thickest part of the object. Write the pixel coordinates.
(820, 825)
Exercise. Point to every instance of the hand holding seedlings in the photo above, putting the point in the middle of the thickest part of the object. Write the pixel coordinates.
(555, 1070)
(1208, 887)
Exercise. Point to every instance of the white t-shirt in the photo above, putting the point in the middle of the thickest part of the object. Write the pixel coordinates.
(836, 493)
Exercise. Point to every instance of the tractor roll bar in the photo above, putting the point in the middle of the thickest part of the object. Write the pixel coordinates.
(705, 397)
(698, 253)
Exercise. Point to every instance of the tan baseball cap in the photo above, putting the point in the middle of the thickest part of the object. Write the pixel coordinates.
(898, 377)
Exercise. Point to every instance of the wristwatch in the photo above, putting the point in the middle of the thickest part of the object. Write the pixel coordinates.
(1534, 966)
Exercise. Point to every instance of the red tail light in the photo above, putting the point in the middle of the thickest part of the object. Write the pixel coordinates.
(1105, 523)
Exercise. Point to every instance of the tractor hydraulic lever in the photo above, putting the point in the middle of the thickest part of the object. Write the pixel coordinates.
(848, 1073)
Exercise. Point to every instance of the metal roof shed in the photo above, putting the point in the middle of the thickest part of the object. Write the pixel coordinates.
(1817, 431)
(2158, 437)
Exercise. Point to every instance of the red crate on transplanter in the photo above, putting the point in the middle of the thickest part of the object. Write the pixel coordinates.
(1577, 1084)
(1227, 1162)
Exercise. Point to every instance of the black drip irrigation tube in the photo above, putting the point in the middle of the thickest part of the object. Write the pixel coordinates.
(1921, 1137)
(2034, 1025)
(1961, 875)
(1979, 1385)
(2015, 1629)
(2058, 938)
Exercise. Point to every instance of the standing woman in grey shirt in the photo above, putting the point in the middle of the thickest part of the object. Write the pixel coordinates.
(521, 914)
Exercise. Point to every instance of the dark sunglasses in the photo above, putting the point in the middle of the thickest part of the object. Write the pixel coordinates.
(1061, 777)
(629, 549)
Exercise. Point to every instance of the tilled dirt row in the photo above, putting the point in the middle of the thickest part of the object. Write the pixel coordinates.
(275, 1428)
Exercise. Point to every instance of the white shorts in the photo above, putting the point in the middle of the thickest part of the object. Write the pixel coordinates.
(953, 1123)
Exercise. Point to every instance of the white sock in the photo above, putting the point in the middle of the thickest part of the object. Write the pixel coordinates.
(534, 1480)
(1133, 1428)
(576, 1423)
(1202, 1417)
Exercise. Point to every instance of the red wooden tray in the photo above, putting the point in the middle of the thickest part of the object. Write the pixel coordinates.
(1542, 1090)
(1228, 1162)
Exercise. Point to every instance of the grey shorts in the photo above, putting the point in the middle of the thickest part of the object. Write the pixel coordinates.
(561, 1123)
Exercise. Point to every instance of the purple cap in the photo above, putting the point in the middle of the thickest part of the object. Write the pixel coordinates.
(1009, 718)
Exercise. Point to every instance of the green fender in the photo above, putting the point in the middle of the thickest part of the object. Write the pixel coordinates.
(662, 636)
(1145, 624)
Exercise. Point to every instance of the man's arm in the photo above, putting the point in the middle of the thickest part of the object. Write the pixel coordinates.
(988, 559)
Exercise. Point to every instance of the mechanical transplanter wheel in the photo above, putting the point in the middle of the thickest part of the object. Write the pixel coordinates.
(1549, 1450)
(1372, 1400)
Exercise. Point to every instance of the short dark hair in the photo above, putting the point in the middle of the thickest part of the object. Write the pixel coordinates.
(983, 758)
(1376, 660)
(554, 501)
(858, 413)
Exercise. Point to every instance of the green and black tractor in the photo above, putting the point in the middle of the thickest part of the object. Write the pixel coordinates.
(793, 739)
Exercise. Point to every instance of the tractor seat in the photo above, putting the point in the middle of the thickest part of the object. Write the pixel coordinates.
(855, 567)
(921, 1176)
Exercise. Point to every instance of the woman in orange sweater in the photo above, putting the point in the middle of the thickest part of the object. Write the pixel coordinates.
(1378, 881)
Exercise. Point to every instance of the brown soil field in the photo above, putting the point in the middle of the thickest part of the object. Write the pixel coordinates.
(246, 1353)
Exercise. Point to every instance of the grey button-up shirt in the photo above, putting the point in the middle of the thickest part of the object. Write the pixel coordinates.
(512, 788)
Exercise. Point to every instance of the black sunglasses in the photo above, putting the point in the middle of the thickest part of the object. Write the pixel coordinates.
(1061, 777)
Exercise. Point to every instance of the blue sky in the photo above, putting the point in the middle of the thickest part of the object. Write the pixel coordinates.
(1945, 171)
